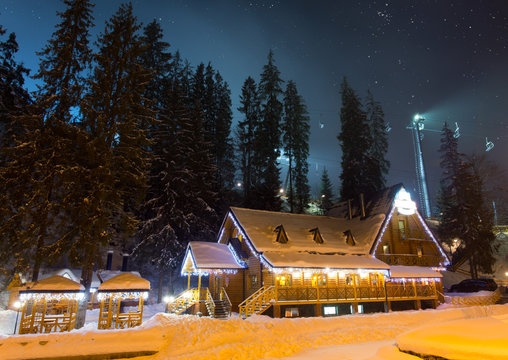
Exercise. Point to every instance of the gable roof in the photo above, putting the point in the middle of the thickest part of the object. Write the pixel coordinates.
(259, 226)
(208, 255)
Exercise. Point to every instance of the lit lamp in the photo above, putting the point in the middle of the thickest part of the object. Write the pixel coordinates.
(17, 305)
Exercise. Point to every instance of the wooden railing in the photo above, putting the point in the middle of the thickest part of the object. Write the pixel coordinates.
(128, 320)
(317, 294)
(257, 302)
(224, 297)
(46, 324)
(210, 304)
(183, 301)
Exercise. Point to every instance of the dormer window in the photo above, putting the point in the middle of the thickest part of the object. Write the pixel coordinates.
(318, 239)
(281, 234)
(350, 239)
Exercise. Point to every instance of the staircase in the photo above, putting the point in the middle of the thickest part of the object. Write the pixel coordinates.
(221, 309)
(183, 301)
(258, 302)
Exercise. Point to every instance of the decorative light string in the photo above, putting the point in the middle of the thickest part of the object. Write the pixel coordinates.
(447, 262)
(239, 228)
(384, 228)
(239, 261)
(117, 295)
(52, 296)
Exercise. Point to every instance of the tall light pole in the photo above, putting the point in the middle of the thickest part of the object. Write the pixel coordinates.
(416, 127)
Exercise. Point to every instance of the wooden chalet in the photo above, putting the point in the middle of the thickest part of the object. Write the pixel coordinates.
(368, 255)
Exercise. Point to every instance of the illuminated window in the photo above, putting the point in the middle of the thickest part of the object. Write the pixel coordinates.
(330, 310)
(284, 280)
(373, 279)
(402, 229)
(319, 280)
(281, 234)
(253, 281)
(350, 239)
(386, 249)
(419, 251)
(317, 236)
(292, 312)
(351, 279)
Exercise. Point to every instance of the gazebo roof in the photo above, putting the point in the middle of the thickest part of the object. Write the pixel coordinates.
(125, 282)
(55, 284)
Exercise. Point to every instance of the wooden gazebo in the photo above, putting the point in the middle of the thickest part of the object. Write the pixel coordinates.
(49, 305)
(114, 294)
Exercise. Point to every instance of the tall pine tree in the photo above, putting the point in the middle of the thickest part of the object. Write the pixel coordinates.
(115, 166)
(295, 141)
(379, 145)
(355, 140)
(246, 141)
(268, 136)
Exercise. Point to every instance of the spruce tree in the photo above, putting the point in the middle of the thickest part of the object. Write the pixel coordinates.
(379, 145)
(246, 141)
(114, 150)
(47, 147)
(295, 138)
(155, 230)
(447, 197)
(355, 140)
(325, 192)
(14, 101)
(268, 136)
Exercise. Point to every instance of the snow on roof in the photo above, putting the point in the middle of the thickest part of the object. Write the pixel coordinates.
(332, 261)
(105, 275)
(375, 204)
(125, 281)
(401, 271)
(56, 283)
(260, 225)
(209, 255)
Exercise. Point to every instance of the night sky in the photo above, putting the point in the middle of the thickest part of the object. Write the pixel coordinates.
(447, 60)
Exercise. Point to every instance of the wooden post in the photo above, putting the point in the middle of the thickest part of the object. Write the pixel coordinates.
(199, 286)
(118, 311)
(418, 304)
(276, 311)
(34, 305)
(188, 281)
(43, 315)
(355, 308)
(317, 310)
(110, 313)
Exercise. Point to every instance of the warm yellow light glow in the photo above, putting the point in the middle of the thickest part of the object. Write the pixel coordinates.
(17, 304)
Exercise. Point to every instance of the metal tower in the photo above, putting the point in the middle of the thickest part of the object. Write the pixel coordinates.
(416, 127)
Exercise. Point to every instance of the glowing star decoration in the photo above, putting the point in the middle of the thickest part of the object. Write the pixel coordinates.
(404, 204)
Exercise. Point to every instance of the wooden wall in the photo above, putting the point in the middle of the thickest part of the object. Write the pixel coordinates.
(404, 246)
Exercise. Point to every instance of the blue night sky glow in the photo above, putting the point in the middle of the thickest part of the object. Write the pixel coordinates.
(444, 59)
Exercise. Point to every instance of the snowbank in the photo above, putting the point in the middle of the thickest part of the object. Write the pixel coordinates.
(471, 339)
(259, 337)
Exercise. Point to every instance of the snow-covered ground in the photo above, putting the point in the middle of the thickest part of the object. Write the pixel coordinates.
(370, 336)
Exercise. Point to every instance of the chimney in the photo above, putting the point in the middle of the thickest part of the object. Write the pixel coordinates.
(349, 209)
(362, 204)
(109, 259)
(125, 262)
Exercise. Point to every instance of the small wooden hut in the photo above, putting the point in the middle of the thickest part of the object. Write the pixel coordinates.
(123, 290)
(49, 305)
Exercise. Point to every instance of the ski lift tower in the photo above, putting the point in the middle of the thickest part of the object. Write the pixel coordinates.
(416, 127)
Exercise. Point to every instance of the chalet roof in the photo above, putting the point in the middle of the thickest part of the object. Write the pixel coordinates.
(208, 255)
(401, 271)
(125, 281)
(332, 261)
(259, 227)
(378, 203)
(56, 283)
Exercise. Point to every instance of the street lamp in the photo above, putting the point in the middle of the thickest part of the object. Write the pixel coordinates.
(17, 305)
